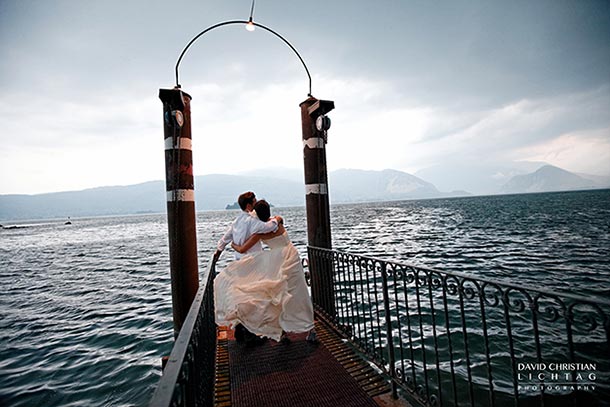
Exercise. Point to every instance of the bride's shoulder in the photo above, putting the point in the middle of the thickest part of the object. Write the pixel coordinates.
(278, 239)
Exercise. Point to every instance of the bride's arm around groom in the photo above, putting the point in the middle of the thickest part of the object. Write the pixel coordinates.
(245, 225)
(257, 237)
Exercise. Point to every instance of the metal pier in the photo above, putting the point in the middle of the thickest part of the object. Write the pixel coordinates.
(298, 373)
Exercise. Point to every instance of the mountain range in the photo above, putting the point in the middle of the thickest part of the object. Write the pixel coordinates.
(547, 178)
(479, 178)
(279, 186)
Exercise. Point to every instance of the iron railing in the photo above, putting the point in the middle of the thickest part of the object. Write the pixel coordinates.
(462, 340)
(188, 376)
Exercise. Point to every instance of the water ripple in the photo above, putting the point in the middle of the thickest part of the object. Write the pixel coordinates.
(85, 310)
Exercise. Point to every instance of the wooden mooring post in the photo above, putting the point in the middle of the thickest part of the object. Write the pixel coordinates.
(180, 192)
(315, 126)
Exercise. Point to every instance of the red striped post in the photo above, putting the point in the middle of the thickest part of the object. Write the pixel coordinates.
(180, 202)
(316, 197)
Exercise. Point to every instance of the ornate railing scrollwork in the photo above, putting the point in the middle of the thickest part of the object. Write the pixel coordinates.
(491, 293)
(587, 318)
(448, 338)
(548, 308)
(516, 305)
(467, 291)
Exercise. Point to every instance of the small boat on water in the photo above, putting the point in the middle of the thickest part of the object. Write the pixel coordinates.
(11, 227)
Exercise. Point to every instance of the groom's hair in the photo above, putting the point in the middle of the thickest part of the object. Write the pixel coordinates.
(263, 211)
(245, 199)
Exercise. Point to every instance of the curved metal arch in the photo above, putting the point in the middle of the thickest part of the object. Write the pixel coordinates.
(240, 22)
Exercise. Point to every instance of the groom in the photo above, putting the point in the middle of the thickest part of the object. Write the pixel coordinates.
(246, 225)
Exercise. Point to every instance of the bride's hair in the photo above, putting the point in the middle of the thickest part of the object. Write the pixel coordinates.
(263, 211)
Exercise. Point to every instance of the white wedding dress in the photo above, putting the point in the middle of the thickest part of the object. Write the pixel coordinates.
(265, 292)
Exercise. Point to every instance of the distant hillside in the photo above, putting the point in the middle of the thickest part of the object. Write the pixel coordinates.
(478, 178)
(546, 179)
(600, 180)
(140, 198)
(386, 185)
(213, 192)
(216, 191)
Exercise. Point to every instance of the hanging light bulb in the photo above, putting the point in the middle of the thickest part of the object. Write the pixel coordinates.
(250, 25)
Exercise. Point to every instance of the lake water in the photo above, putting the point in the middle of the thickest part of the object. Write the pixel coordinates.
(85, 309)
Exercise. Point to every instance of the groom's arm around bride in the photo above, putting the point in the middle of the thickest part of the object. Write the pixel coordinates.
(245, 225)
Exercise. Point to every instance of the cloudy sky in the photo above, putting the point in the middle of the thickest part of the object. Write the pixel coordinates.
(416, 84)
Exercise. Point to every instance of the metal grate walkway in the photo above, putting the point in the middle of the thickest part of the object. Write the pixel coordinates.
(296, 374)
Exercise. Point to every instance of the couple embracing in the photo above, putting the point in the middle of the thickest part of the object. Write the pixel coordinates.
(263, 293)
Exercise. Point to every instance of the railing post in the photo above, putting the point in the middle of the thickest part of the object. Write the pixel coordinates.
(315, 125)
(388, 324)
(188, 378)
(180, 202)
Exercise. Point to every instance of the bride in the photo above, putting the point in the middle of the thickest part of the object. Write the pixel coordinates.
(265, 292)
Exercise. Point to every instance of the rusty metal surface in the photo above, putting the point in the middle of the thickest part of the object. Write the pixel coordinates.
(222, 383)
(352, 381)
(317, 204)
(180, 213)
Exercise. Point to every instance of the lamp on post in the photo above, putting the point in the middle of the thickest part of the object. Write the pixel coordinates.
(315, 125)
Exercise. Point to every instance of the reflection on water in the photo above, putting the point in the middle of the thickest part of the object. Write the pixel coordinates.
(85, 309)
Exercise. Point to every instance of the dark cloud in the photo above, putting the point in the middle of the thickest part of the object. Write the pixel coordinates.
(464, 61)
